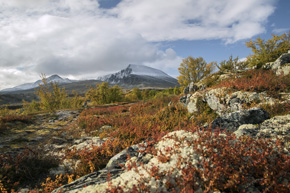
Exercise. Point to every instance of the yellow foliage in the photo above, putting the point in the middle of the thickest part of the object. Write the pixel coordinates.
(267, 51)
(103, 94)
(193, 69)
(51, 96)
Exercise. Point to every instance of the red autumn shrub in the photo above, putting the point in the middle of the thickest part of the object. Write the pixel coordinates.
(25, 168)
(259, 80)
(229, 165)
(13, 118)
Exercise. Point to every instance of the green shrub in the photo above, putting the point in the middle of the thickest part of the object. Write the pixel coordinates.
(52, 97)
(230, 64)
(267, 51)
(103, 94)
(4, 111)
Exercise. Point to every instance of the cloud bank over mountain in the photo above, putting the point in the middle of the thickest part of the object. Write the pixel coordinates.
(82, 39)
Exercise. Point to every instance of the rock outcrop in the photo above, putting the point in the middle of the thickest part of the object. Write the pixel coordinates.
(178, 149)
(190, 88)
(232, 106)
(127, 178)
(278, 126)
(223, 100)
(100, 177)
(281, 66)
(232, 121)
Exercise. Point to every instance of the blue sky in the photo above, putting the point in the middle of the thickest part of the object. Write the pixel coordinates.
(85, 39)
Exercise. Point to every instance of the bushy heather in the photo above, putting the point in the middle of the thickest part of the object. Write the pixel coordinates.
(131, 125)
(25, 168)
(13, 118)
(260, 81)
(229, 164)
(224, 163)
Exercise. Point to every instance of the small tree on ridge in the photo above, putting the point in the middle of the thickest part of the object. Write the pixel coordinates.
(193, 69)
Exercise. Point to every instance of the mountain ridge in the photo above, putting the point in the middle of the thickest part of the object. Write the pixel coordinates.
(140, 75)
(26, 86)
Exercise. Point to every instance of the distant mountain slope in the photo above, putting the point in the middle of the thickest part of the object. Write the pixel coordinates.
(140, 76)
(27, 86)
(133, 76)
(13, 97)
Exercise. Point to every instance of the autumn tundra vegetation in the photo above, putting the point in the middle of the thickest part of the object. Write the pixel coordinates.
(228, 163)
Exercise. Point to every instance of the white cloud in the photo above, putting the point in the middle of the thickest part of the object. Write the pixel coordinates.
(280, 30)
(23, 3)
(78, 38)
(15, 77)
(195, 19)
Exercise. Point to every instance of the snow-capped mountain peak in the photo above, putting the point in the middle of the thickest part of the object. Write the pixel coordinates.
(134, 69)
(145, 70)
(54, 78)
(140, 75)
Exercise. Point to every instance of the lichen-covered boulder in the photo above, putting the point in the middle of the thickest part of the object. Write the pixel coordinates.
(247, 129)
(232, 121)
(282, 65)
(192, 105)
(173, 145)
(283, 59)
(190, 88)
(278, 126)
(215, 99)
(113, 167)
(224, 100)
(283, 70)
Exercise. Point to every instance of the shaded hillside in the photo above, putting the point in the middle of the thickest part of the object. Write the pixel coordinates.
(28, 95)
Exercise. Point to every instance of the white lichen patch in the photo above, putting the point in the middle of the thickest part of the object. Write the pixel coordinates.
(88, 143)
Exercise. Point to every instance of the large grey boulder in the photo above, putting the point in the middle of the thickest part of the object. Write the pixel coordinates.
(172, 145)
(282, 65)
(183, 99)
(215, 99)
(283, 59)
(192, 102)
(247, 129)
(113, 167)
(232, 121)
(190, 88)
(283, 70)
(278, 126)
(223, 100)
